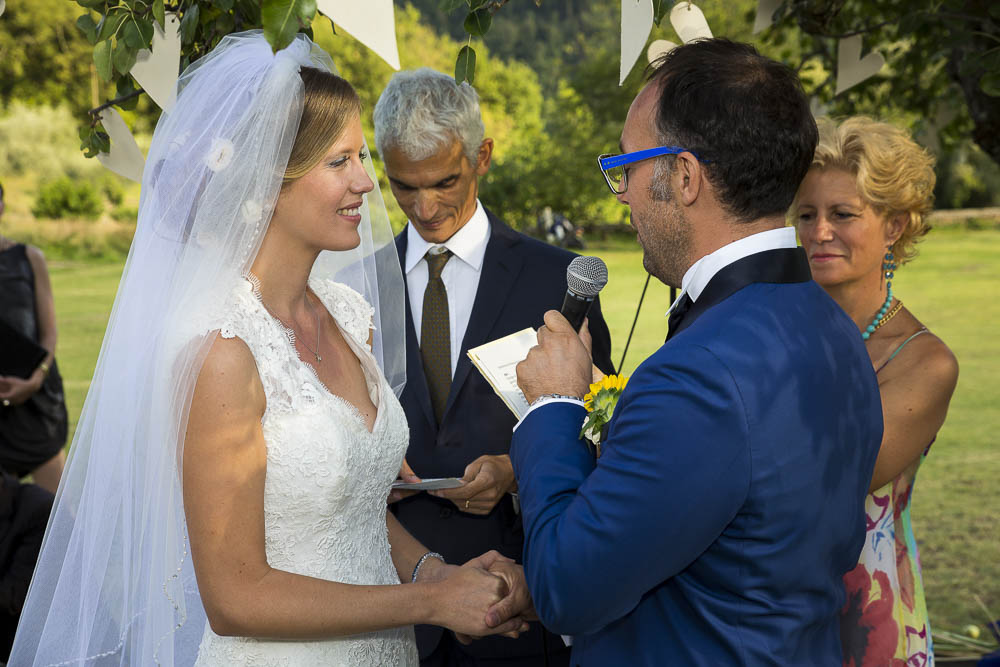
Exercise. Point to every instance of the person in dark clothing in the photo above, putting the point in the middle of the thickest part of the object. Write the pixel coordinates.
(33, 420)
(557, 229)
(24, 511)
(470, 279)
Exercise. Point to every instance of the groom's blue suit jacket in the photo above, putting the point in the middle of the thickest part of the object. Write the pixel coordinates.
(728, 501)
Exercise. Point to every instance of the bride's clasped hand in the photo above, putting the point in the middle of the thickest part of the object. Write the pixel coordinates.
(488, 595)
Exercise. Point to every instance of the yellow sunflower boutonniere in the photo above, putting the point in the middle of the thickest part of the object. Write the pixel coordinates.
(600, 404)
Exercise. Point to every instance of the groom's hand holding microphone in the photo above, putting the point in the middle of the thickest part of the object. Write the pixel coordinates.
(561, 364)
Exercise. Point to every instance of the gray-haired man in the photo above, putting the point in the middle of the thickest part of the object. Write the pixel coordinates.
(470, 279)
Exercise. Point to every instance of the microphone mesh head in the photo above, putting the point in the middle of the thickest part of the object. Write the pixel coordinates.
(586, 276)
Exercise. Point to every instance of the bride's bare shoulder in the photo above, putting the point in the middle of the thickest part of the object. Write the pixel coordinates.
(229, 376)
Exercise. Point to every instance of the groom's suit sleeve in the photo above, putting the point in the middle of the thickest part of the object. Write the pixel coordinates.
(673, 473)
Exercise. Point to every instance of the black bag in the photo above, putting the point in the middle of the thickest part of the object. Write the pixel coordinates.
(19, 355)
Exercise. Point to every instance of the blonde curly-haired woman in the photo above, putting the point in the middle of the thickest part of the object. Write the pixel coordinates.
(859, 213)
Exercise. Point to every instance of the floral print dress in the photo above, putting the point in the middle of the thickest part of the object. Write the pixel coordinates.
(884, 620)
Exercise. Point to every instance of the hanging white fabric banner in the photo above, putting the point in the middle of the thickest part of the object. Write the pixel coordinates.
(637, 21)
(658, 48)
(852, 69)
(157, 70)
(371, 22)
(689, 22)
(765, 15)
(125, 158)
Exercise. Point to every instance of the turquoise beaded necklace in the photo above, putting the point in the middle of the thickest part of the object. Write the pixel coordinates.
(888, 266)
(878, 316)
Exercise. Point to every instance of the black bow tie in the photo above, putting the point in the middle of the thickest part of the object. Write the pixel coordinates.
(677, 314)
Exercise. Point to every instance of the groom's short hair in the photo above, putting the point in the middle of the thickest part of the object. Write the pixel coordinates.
(743, 113)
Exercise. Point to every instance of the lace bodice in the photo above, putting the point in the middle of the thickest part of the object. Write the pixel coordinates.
(327, 480)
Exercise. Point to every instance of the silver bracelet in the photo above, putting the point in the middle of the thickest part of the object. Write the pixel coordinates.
(561, 396)
(429, 554)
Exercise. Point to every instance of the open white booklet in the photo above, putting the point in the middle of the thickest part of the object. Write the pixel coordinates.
(497, 361)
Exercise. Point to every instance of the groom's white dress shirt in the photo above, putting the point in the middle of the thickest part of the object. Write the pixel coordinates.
(460, 275)
(697, 277)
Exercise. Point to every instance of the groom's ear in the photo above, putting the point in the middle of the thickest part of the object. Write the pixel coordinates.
(688, 178)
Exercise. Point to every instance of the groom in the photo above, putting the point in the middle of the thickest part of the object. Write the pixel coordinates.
(728, 501)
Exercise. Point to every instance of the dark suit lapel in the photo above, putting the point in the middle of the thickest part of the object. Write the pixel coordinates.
(500, 267)
(781, 265)
(415, 380)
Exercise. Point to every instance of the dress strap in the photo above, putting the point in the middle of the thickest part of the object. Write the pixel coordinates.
(901, 346)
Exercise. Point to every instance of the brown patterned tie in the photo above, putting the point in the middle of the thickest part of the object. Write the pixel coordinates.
(435, 333)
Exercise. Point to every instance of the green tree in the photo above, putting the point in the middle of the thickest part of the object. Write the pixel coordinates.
(943, 60)
(44, 59)
(942, 57)
(119, 29)
(533, 32)
(554, 116)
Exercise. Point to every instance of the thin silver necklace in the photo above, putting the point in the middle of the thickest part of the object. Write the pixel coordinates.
(319, 329)
(255, 283)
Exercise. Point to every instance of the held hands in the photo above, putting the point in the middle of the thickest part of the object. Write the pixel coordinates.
(469, 597)
(560, 363)
(15, 390)
(518, 601)
(516, 604)
(486, 480)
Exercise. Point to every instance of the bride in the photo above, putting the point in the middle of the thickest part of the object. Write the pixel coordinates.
(225, 500)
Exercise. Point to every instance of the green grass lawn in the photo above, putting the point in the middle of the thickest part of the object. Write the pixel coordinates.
(949, 286)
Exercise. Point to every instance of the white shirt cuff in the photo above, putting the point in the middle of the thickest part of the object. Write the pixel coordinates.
(545, 401)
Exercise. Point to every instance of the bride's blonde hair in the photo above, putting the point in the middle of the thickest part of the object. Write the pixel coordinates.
(328, 105)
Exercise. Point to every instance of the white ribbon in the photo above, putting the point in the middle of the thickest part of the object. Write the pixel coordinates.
(852, 69)
(637, 21)
(125, 158)
(157, 70)
(371, 22)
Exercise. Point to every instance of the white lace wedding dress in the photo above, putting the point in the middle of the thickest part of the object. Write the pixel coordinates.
(326, 485)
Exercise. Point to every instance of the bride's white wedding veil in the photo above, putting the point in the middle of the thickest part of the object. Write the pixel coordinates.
(114, 583)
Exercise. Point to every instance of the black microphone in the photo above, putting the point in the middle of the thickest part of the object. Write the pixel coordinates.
(585, 278)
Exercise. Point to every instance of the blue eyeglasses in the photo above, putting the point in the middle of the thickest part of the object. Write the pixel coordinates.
(613, 165)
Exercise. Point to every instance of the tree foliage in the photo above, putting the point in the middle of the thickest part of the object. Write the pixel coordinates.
(545, 71)
(43, 57)
(940, 81)
(119, 29)
(937, 52)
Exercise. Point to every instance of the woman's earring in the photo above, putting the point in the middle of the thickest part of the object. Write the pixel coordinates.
(888, 267)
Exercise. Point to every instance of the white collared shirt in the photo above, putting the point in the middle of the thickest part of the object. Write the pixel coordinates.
(697, 277)
(460, 275)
